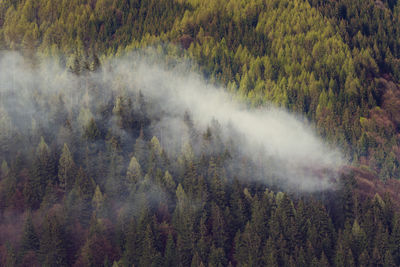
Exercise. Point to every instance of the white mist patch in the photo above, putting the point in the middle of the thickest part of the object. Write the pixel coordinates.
(293, 152)
(283, 148)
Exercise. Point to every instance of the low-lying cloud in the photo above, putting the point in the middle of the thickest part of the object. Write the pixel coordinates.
(282, 146)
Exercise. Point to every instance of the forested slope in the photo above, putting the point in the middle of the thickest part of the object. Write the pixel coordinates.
(335, 63)
(91, 184)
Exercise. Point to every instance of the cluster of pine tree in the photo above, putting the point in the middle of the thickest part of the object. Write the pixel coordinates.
(93, 187)
(335, 62)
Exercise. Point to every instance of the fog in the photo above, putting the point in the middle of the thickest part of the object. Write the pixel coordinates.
(283, 147)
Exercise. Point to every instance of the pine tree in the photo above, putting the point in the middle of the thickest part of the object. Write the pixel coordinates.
(155, 155)
(269, 257)
(43, 172)
(134, 172)
(340, 257)
(376, 258)
(75, 66)
(148, 250)
(388, 260)
(91, 132)
(395, 239)
(6, 133)
(53, 249)
(95, 64)
(84, 188)
(258, 215)
(196, 261)
(98, 199)
(132, 246)
(4, 170)
(250, 249)
(217, 257)
(218, 227)
(170, 256)
(183, 222)
(11, 259)
(85, 185)
(204, 243)
(169, 182)
(141, 151)
(364, 259)
(30, 240)
(66, 169)
(350, 259)
(115, 182)
(216, 185)
(359, 239)
(238, 207)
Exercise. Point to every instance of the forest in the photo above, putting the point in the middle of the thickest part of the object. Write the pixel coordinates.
(106, 160)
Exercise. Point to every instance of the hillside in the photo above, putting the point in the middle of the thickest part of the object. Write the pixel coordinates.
(199, 133)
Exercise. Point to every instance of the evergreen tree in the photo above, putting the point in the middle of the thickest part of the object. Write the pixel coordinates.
(217, 257)
(148, 250)
(134, 172)
(4, 170)
(11, 259)
(30, 240)
(91, 132)
(170, 257)
(395, 239)
(269, 257)
(98, 199)
(132, 246)
(66, 169)
(53, 248)
(43, 172)
(140, 150)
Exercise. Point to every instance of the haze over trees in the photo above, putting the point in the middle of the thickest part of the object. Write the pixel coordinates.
(89, 183)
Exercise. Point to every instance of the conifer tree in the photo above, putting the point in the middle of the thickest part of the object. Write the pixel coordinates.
(66, 169)
(132, 246)
(11, 259)
(30, 240)
(217, 257)
(53, 249)
(148, 250)
(170, 256)
(43, 172)
(270, 254)
(4, 170)
(134, 172)
(140, 150)
(98, 199)
(91, 131)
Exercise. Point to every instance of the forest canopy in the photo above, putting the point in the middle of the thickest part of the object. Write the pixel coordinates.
(98, 167)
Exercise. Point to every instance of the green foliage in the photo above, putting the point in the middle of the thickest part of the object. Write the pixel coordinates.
(30, 240)
(134, 172)
(110, 194)
(324, 66)
(53, 243)
(66, 169)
